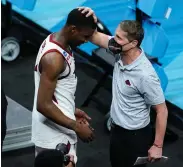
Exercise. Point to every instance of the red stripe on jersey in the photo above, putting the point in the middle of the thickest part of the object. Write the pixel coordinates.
(51, 50)
(54, 99)
(35, 68)
(55, 50)
(48, 51)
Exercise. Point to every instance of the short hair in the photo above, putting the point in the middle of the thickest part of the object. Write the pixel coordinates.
(134, 29)
(78, 19)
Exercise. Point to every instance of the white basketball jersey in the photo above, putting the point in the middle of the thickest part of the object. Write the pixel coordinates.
(46, 133)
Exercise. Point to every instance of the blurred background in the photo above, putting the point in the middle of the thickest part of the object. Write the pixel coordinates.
(25, 24)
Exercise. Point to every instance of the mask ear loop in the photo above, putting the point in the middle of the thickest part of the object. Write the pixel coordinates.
(127, 44)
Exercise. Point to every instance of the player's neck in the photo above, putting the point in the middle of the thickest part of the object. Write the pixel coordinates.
(62, 38)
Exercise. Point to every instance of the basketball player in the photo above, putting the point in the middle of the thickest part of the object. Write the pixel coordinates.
(55, 119)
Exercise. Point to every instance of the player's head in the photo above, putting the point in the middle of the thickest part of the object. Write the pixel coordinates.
(80, 27)
(129, 34)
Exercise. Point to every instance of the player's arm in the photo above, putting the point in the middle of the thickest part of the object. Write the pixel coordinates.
(51, 66)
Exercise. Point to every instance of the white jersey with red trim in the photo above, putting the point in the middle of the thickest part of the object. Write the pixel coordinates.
(46, 133)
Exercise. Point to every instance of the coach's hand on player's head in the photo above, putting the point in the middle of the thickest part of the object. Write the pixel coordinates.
(84, 132)
(81, 116)
(88, 12)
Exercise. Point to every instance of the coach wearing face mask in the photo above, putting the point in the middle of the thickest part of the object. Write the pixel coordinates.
(135, 88)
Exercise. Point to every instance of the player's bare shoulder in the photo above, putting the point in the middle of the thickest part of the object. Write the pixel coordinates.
(52, 62)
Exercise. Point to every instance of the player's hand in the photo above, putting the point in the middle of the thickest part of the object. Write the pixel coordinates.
(81, 116)
(154, 153)
(89, 12)
(84, 132)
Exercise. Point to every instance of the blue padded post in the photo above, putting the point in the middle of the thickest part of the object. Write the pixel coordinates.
(24, 4)
(155, 40)
(153, 8)
(162, 76)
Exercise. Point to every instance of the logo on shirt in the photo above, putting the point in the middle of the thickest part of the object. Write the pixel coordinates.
(128, 82)
(67, 57)
(65, 53)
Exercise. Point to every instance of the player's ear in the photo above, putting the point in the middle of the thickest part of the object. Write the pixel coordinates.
(73, 29)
